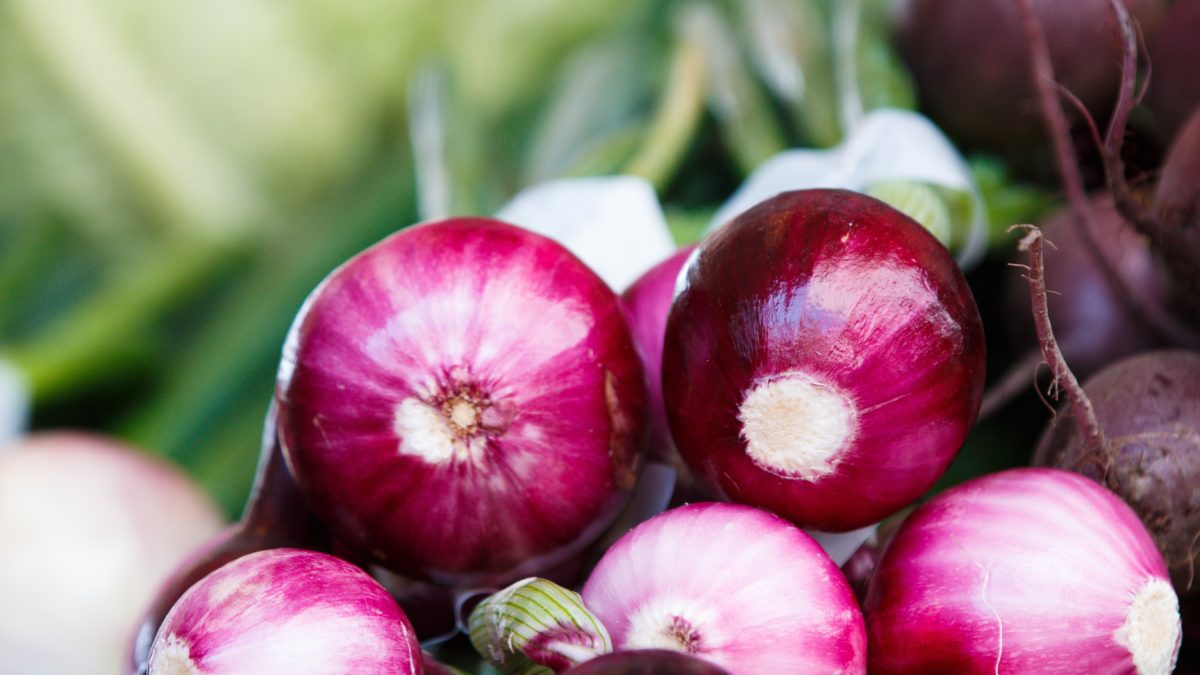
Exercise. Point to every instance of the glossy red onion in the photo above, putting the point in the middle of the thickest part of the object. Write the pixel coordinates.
(89, 528)
(286, 611)
(647, 662)
(825, 360)
(463, 401)
(731, 584)
(1032, 571)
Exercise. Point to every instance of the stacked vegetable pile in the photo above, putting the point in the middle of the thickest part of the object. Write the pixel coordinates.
(797, 434)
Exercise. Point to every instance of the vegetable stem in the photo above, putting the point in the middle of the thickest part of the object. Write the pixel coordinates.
(1081, 405)
(1042, 72)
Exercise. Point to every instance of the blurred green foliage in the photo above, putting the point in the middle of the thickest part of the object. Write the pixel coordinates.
(176, 176)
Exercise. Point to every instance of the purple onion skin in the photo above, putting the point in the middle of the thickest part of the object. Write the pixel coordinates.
(731, 584)
(647, 302)
(276, 516)
(286, 611)
(498, 328)
(647, 662)
(847, 290)
(1149, 407)
(1029, 571)
(1174, 92)
(970, 61)
(1177, 201)
(1091, 324)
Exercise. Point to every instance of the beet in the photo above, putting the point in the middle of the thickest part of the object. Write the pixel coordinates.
(1174, 87)
(1177, 208)
(1093, 327)
(970, 62)
(1148, 406)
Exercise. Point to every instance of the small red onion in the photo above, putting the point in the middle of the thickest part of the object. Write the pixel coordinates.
(275, 516)
(89, 528)
(647, 302)
(825, 359)
(463, 401)
(1025, 571)
(286, 611)
(647, 662)
(731, 584)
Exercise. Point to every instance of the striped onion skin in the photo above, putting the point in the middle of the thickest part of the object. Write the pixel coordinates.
(1037, 571)
(286, 611)
(463, 402)
(731, 584)
(536, 627)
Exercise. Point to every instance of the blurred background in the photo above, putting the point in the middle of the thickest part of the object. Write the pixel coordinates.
(176, 176)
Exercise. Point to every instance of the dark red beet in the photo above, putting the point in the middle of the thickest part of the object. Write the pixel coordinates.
(970, 61)
(1175, 79)
(1093, 327)
(1148, 406)
(1177, 203)
(825, 360)
(647, 662)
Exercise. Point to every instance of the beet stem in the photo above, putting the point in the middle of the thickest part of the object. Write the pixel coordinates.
(1063, 378)
(1057, 127)
(1114, 168)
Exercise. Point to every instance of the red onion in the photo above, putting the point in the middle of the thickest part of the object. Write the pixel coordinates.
(275, 517)
(647, 662)
(463, 401)
(286, 611)
(734, 585)
(1025, 571)
(647, 302)
(824, 361)
(88, 530)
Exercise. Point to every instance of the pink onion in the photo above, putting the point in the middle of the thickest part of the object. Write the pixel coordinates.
(286, 611)
(825, 359)
(463, 401)
(1026, 571)
(275, 516)
(647, 302)
(731, 584)
(89, 528)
